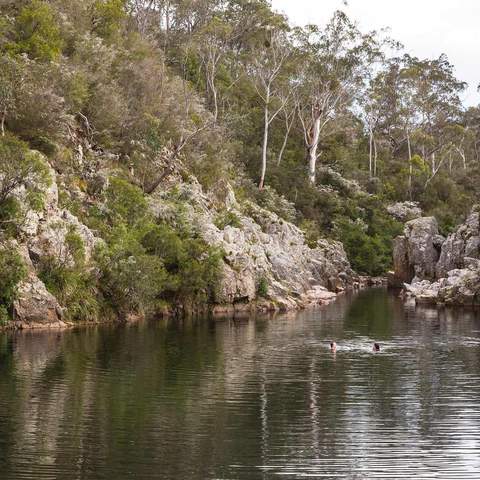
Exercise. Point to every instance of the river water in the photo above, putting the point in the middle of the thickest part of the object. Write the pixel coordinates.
(248, 399)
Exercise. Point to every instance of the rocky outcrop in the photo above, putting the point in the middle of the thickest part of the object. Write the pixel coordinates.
(267, 264)
(461, 246)
(405, 211)
(34, 307)
(44, 234)
(437, 270)
(261, 247)
(416, 252)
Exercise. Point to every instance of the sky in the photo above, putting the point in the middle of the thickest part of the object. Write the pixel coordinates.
(426, 28)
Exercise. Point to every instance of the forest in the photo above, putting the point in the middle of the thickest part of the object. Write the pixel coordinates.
(326, 126)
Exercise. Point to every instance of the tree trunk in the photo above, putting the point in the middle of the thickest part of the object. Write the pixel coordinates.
(266, 121)
(375, 157)
(312, 151)
(288, 124)
(410, 166)
(2, 121)
(370, 154)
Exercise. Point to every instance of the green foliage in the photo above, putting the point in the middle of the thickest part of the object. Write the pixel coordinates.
(227, 218)
(368, 239)
(108, 17)
(20, 168)
(262, 288)
(37, 32)
(71, 280)
(131, 279)
(12, 272)
(4, 316)
(126, 202)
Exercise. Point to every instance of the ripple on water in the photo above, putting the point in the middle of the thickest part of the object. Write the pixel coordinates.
(247, 400)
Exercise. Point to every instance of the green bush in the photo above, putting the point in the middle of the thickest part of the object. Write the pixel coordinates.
(262, 288)
(37, 32)
(131, 279)
(12, 272)
(71, 281)
(20, 167)
(227, 218)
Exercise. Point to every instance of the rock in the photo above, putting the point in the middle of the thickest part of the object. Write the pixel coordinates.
(405, 211)
(263, 246)
(35, 306)
(464, 242)
(452, 277)
(415, 253)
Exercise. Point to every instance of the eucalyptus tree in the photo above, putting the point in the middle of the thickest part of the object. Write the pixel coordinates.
(267, 70)
(334, 65)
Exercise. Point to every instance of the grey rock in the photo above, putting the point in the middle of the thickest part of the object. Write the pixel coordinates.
(35, 306)
(405, 211)
(416, 252)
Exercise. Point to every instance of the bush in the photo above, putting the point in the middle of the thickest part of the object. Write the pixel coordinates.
(131, 279)
(227, 218)
(12, 272)
(37, 32)
(262, 288)
(20, 167)
(71, 281)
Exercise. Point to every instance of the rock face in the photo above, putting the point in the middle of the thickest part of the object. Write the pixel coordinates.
(416, 252)
(461, 246)
(43, 234)
(267, 265)
(405, 211)
(262, 247)
(438, 270)
(35, 306)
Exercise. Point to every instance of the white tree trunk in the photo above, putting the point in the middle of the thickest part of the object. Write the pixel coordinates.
(370, 154)
(312, 151)
(266, 123)
(410, 166)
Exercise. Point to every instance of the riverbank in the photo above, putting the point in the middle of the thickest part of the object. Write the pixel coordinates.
(317, 297)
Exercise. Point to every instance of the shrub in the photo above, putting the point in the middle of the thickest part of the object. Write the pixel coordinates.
(12, 272)
(71, 281)
(262, 288)
(227, 218)
(20, 167)
(37, 32)
(125, 202)
(131, 279)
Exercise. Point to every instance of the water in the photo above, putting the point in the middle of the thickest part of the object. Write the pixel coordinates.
(254, 399)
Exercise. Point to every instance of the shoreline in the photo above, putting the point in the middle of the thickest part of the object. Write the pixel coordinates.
(216, 312)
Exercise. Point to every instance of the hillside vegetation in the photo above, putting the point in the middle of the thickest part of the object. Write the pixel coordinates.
(112, 99)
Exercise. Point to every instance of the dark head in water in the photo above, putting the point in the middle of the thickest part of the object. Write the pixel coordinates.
(333, 346)
(376, 347)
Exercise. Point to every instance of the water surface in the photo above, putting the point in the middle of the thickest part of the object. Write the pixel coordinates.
(250, 399)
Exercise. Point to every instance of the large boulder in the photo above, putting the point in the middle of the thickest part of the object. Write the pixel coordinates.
(460, 246)
(435, 270)
(416, 252)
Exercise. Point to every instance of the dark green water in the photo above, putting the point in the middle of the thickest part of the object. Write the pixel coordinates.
(253, 399)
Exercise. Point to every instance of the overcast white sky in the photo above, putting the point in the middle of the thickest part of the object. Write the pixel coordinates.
(427, 28)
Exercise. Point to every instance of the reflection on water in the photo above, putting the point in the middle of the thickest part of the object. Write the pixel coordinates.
(252, 399)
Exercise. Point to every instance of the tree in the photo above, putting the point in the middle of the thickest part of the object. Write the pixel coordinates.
(37, 32)
(10, 85)
(266, 70)
(334, 65)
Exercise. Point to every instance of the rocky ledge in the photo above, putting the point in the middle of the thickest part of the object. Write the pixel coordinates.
(437, 270)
